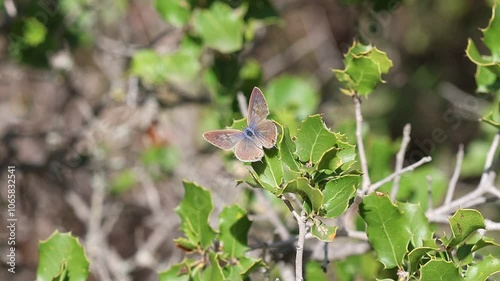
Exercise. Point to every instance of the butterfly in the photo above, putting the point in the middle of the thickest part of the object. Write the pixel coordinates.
(260, 132)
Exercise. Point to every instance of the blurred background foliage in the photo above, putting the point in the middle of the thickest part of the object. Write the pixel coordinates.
(114, 90)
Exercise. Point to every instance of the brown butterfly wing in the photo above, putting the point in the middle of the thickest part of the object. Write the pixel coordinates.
(266, 133)
(247, 151)
(257, 107)
(224, 139)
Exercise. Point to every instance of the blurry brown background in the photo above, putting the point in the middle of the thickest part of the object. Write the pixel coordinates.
(69, 133)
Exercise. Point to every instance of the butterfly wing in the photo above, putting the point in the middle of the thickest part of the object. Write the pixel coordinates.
(257, 108)
(247, 151)
(266, 133)
(224, 139)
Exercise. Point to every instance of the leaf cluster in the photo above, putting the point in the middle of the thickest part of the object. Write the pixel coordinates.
(402, 238)
(213, 255)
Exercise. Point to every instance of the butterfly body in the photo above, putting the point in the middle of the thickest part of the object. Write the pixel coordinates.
(260, 132)
(249, 133)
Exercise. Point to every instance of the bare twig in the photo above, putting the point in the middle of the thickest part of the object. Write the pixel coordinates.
(400, 157)
(296, 200)
(300, 246)
(10, 8)
(490, 225)
(96, 206)
(456, 174)
(242, 104)
(412, 167)
(475, 197)
(301, 221)
(488, 173)
(145, 254)
(361, 148)
(133, 90)
(80, 208)
(325, 263)
(151, 192)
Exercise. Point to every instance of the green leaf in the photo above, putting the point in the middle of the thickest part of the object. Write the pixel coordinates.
(123, 182)
(323, 232)
(183, 65)
(357, 267)
(313, 198)
(176, 12)
(292, 94)
(315, 272)
(493, 117)
(483, 269)
(213, 271)
(338, 193)
(416, 257)
(411, 186)
(488, 66)
(473, 53)
(147, 64)
(241, 268)
(380, 152)
(364, 66)
(463, 223)
(417, 223)
(62, 256)
(492, 33)
(234, 226)
(268, 171)
(484, 242)
(342, 155)
(185, 244)
(440, 270)
(387, 228)
(195, 209)
(173, 274)
(314, 139)
(34, 32)
(262, 10)
(486, 80)
(165, 158)
(287, 151)
(220, 27)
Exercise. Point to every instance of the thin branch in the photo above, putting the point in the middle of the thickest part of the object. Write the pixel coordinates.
(301, 221)
(489, 161)
(10, 8)
(490, 225)
(485, 186)
(96, 207)
(361, 235)
(242, 104)
(325, 263)
(151, 191)
(300, 246)
(133, 90)
(494, 191)
(455, 204)
(412, 167)
(296, 200)
(361, 147)
(400, 157)
(456, 174)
